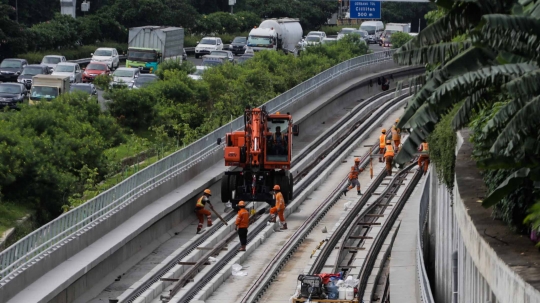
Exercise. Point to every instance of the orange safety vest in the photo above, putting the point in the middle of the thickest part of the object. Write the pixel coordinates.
(395, 133)
(280, 202)
(389, 151)
(355, 171)
(242, 220)
(382, 141)
(425, 147)
(201, 202)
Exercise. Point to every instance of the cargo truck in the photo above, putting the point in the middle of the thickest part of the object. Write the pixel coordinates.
(398, 27)
(148, 46)
(275, 34)
(48, 87)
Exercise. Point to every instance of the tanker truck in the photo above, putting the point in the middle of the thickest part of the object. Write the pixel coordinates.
(275, 34)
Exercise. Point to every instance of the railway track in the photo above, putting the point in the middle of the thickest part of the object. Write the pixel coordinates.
(180, 292)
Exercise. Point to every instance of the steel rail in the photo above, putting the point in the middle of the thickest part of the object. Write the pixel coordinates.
(279, 260)
(387, 194)
(311, 177)
(367, 265)
(157, 276)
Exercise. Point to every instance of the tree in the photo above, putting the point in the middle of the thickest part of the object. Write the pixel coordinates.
(399, 39)
(406, 12)
(13, 36)
(496, 56)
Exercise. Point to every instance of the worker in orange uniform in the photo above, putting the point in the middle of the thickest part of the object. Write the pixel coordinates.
(242, 223)
(278, 208)
(353, 177)
(382, 144)
(389, 157)
(201, 211)
(423, 160)
(396, 136)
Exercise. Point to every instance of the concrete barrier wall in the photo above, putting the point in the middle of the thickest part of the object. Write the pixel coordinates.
(464, 267)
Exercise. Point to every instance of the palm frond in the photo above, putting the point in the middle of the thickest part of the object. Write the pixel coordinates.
(519, 44)
(463, 116)
(528, 85)
(504, 115)
(524, 123)
(431, 54)
(511, 23)
(470, 60)
(513, 182)
(409, 147)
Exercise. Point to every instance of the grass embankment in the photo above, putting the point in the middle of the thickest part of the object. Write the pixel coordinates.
(10, 213)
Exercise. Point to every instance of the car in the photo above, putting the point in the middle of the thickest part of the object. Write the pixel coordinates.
(106, 55)
(238, 45)
(197, 74)
(144, 80)
(317, 33)
(10, 69)
(88, 88)
(124, 76)
(207, 45)
(228, 54)
(328, 40)
(184, 54)
(93, 70)
(30, 71)
(73, 70)
(244, 58)
(345, 31)
(52, 60)
(11, 94)
(313, 40)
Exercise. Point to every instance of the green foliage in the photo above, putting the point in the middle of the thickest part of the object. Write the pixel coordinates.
(442, 144)
(47, 145)
(492, 66)
(185, 66)
(434, 15)
(102, 81)
(71, 53)
(406, 12)
(399, 39)
(221, 23)
(13, 36)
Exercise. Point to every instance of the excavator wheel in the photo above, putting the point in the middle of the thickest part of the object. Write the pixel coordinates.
(225, 190)
(232, 184)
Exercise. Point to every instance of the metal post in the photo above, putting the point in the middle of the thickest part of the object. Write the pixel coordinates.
(419, 22)
(17, 10)
(232, 9)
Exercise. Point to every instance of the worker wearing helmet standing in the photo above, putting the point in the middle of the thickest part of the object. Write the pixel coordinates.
(396, 136)
(242, 223)
(353, 177)
(389, 157)
(423, 160)
(278, 208)
(382, 143)
(201, 211)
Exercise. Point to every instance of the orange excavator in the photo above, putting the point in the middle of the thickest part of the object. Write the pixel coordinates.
(262, 154)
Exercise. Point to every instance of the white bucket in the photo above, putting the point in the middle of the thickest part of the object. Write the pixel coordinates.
(342, 293)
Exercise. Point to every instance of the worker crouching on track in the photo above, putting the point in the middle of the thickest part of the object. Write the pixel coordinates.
(242, 224)
(423, 160)
(201, 211)
(278, 208)
(396, 136)
(382, 144)
(353, 177)
(389, 157)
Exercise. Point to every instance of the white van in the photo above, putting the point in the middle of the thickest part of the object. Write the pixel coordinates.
(374, 29)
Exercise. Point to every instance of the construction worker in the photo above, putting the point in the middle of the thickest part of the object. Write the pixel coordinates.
(382, 143)
(278, 208)
(396, 136)
(423, 160)
(278, 141)
(389, 157)
(242, 223)
(201, 211)
(353, 177)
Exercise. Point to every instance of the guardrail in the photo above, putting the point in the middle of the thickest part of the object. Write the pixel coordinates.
(424, 290)
(51, 236)
(87, 60)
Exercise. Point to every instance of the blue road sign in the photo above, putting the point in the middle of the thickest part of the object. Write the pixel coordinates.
(365, 9)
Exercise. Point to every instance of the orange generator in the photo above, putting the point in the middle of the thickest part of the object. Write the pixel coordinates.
(262, 154)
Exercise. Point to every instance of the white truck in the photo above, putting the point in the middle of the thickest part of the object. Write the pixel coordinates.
(398, 27)
(48, 87)
(275, 34)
